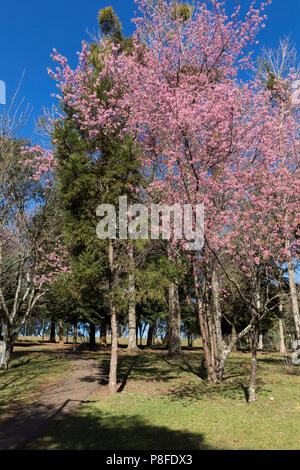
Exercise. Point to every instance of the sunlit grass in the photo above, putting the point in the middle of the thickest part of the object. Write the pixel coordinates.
(29, 375)
(166, 405)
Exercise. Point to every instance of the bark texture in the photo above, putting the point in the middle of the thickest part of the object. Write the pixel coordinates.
(52, 332)
(103, 332)
(175, 349)
(60, 331)
(132, 342)
(282, 348)
(112, 384)
(252, 385)
(294, 298)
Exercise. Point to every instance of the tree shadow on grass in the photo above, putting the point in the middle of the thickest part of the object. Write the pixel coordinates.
(102, 431)
(138, 367)
(236, 390)
(28, 343)
(125, 378)
(17, 380)
(186, 366)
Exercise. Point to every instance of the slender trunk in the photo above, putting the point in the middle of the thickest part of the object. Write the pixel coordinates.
(92, 334)
(260, 342)
(167, 335)
(282, 348)
(114, 330)
(60, 331)
(211, 333)
(294, 299)
(43, 330)
(217, 326)
(132, 343)
(141, 334)
(174, 322)
(217, 312)
(211, 375)
(75, 336)
(150, 336)
(144, 330)
(103, 333)
(140, 330)
(254, 344)
(252, 386)
(192, 309)
(114, 352)
(233, 335)
(52, 332)
(25, 330)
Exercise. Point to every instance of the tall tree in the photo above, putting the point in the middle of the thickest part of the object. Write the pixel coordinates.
(95, 171)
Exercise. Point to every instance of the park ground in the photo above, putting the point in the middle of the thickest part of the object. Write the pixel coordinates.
(162, 403)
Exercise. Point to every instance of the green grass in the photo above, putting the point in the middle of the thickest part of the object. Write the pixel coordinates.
(29, 375)
(166, 405)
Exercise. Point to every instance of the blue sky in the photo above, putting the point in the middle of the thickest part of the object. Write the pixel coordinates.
(30, 29)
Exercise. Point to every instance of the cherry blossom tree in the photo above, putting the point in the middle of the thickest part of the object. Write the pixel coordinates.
(208, 137)
(26, 208)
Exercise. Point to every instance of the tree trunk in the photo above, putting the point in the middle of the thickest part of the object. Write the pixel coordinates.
(144, 326)
(260, 342)
(8, 345)
(282, 348)
(150, 336)
(92, 334)
(103, 332)
(254, 343)
(211, 373)
(174, 323)
(75, 336)
(60, 331)
(217, 321)
(52, 332)
(252, 386)
(233, 335)
(140, 331)
(294, 298)
(43, 330)
(114, 329)
(165, 342)
(132, 343)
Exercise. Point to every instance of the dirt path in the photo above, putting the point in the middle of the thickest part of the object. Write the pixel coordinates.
(62, 400)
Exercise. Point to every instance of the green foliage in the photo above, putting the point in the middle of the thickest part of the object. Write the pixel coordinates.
(110, 25)
(182, 11)
(93, 172)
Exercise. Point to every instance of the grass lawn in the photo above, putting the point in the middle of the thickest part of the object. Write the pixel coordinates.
(165, 404)
(29, 375)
